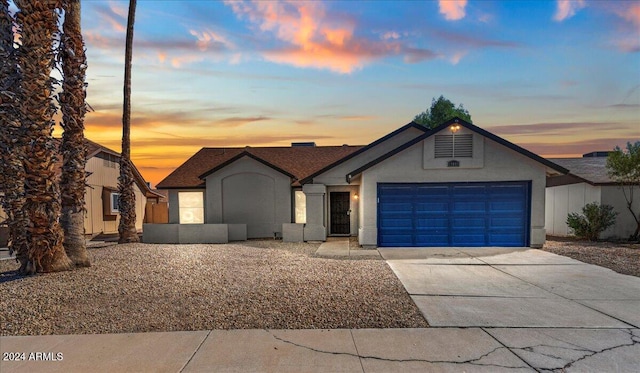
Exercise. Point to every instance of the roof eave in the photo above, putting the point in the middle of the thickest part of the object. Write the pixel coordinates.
(471, 127)
(245, 154)
(412, 124)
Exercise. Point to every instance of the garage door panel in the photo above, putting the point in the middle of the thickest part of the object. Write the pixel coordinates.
(464, 223)
(438, 206)
(506, 206)
(508, 222)
(469, 240)
(503, 239)
(431, 240)
(469, 206)
(431, 190)
(396, 240)
(435, 223)
(392, 206)
(397, 223)
(454, 214)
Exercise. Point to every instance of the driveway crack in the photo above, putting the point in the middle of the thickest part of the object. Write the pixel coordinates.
(567, 363)
(472, 361)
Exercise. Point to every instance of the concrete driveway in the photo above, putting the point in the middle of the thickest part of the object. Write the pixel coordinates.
(550, 310)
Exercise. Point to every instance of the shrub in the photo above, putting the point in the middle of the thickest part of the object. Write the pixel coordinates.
(596, 219)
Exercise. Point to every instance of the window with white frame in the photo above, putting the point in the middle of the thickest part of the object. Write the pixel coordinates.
(191, 207)
(114, 199)
(300, 206)
(454, 146)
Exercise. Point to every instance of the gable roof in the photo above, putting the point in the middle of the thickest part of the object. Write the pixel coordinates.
(94, 149)
(364, 149)
(593, 170)
(245, 154)
(295, 162)
(469, 126)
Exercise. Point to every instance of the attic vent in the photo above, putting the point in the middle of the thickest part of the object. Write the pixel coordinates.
(453, 163)
(299, 144)
(454, 146)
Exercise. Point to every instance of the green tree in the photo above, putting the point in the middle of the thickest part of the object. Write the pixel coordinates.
(441, 110)
(127, 200)
(623, 166)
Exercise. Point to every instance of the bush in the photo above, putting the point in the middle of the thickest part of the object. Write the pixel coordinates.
(596, 219)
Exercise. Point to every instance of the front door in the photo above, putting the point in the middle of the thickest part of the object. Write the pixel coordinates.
(340, 219)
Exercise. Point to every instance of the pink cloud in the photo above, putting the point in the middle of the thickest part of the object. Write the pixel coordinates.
(207, 37)
(567, 9)
(452, 10)
(313, 39)
(632, 14)
(457, 56)
(627, 39)
(114, 15)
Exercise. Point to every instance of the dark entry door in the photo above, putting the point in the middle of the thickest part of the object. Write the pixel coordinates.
(340, 220)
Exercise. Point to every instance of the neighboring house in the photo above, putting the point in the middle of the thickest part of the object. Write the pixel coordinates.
(101, 192)
(587, 182)
(455, 185)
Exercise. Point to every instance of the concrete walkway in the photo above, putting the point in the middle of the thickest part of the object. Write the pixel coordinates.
(339, 247)
(491, 310)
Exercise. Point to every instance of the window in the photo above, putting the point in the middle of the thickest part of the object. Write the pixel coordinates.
(109, 160)
(454, 146)
(300, 206)
(191, 207)
(114, 199)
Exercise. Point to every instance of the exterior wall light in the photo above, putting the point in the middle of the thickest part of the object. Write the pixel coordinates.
(454, 128)
(355, 196)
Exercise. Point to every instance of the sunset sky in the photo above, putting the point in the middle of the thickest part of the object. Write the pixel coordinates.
(559, 78)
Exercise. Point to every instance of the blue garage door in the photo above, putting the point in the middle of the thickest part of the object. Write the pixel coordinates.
(454, 214)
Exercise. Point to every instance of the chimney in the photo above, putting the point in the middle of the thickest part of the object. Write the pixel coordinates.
(303, 144)
(596, 154)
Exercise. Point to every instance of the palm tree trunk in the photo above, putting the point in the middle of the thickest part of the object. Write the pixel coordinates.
(127, 201)
(72, 101)
(38, 22)
(11, 144)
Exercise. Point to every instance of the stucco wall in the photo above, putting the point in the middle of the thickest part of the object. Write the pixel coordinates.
(102, 176)
(625, 224)
(500, 164)
(337, 175)
(249, 192)
(565, 199)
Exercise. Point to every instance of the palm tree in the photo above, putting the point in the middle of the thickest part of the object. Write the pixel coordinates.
(38, 21)
(127, 201)
(72, 102)
(11, 145)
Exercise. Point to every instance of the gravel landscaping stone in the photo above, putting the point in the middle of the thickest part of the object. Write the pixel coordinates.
(621, 257)
(152, 287)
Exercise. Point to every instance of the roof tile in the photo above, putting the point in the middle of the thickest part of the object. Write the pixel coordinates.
(298, 161)
(592, 169)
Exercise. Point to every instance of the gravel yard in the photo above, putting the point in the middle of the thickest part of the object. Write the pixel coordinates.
(621, 257)
(146, 287)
